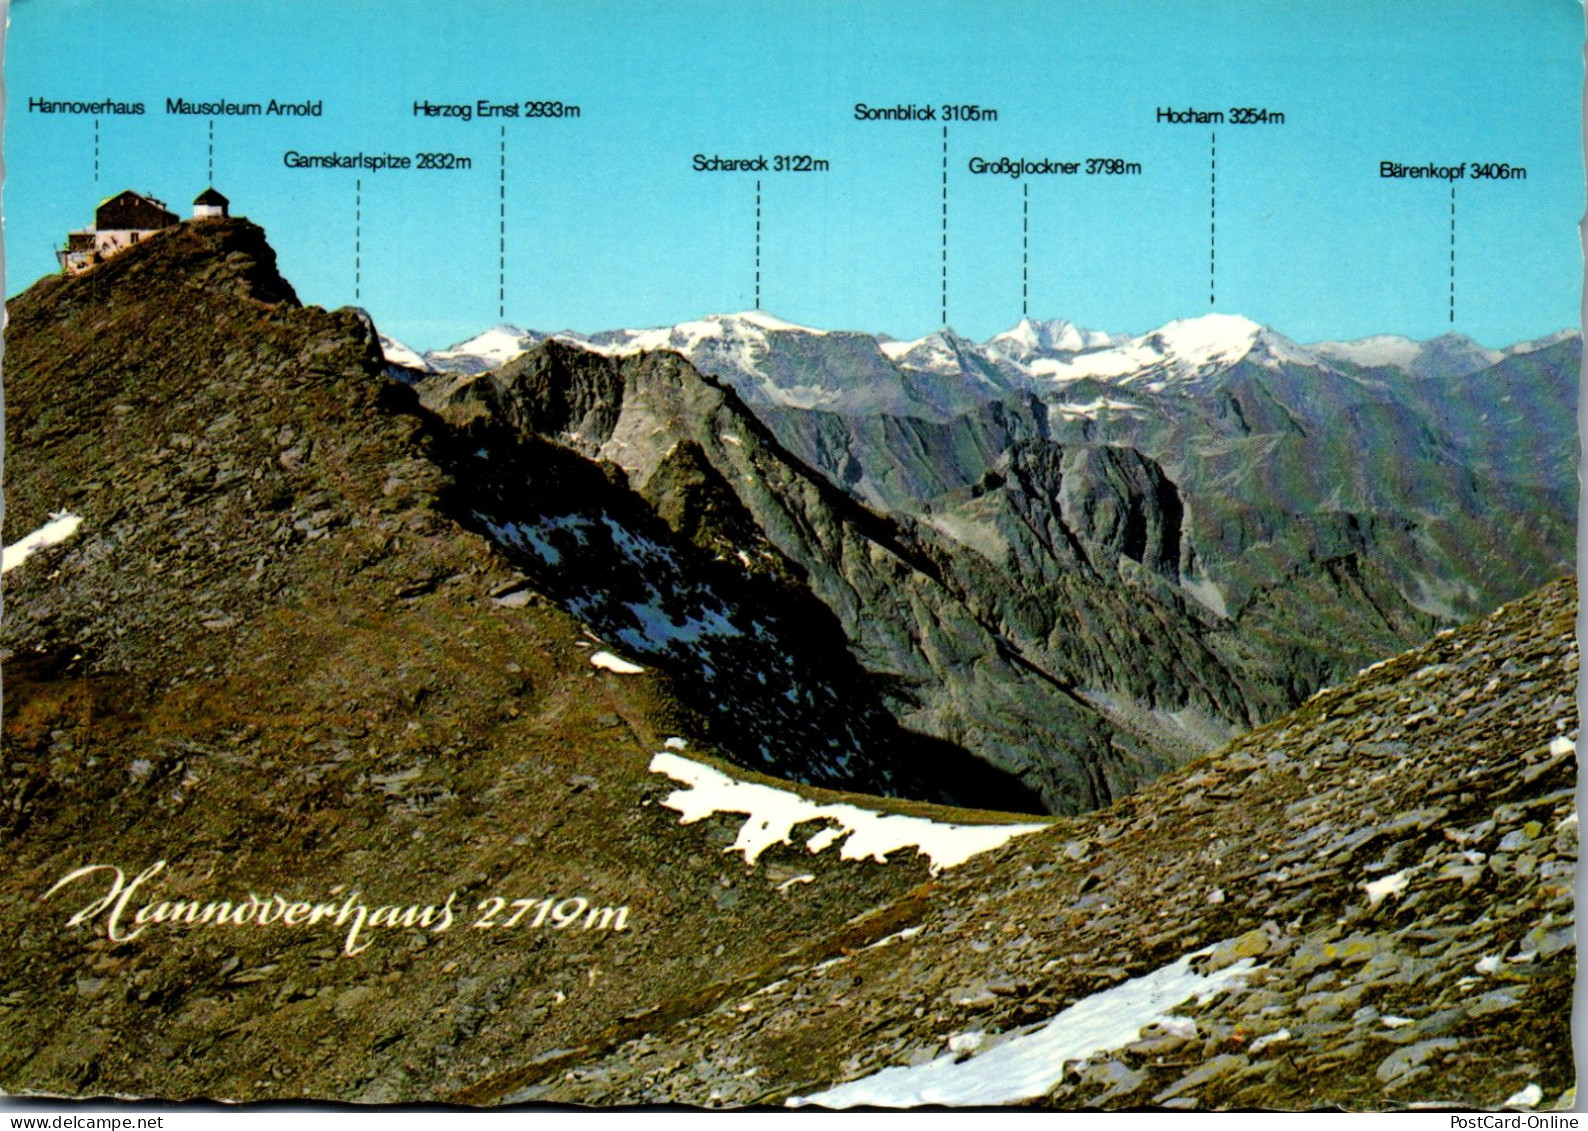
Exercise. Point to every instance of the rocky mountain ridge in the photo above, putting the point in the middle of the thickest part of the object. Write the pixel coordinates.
(846, 371)
(1271, 522)
(1406, 454)
(720, 480)
(319, 633)
(276, 656)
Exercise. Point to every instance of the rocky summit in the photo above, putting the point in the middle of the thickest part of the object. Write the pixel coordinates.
(555, 730)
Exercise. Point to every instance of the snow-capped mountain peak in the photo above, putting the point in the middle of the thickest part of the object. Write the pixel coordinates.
(1541, 343)
(1378, 351)
(744, 333)
(398, 354)
(1030, 338)
(1446, 355)
(501, 338)
(1206, 339)
(770, 322)
(1547, 340)
(772, 361)
(496, 346)
(1175, 352)
(939, 348)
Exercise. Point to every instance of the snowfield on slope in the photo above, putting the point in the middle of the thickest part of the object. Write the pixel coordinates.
(62, 525)
(1028, 1066)
(771, 814)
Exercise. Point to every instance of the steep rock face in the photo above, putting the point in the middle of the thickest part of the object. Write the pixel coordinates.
(1037, 661)
(679, 577)
(1076, 503)
(1328, 518)
(1459, 446)
(1417, 470)
(1384, 879)
(1335, 502)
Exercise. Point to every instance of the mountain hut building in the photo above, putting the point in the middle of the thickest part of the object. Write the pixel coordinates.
(123, 220)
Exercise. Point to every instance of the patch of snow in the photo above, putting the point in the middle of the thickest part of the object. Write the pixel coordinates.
(1379, 351)
(1488, 964)
(1379, 890)
(967, 1042)
(1028, 1066)
(767, 322)
(1389, 1021)
(1560, 744)
(823, 839)
(1176, 351)
(1182, 1027)
(496, 346)
(1129, 357)
(739, 340)
(1209, 337)
(1055, 335)
(62, 525)
(897, 936)
(792, 880)
(1527, 1097)
(532, 537)
(659, 630)
(1091, 408)
(1541, 343)
(398, 354)
(893, 351)
(614, 664)
(771, 814)
(675, 744)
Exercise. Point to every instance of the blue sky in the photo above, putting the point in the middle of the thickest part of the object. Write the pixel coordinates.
(607, 225)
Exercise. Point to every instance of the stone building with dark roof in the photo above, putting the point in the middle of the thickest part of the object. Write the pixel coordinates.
(119, 222)
(210, 203)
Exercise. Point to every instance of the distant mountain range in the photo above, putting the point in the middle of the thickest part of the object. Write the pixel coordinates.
(1130, 547)
(770, 361)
